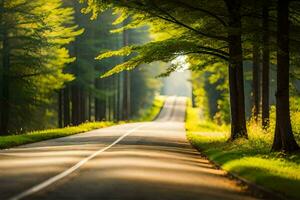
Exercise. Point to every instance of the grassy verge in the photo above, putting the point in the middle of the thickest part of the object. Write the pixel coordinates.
(250, 159)
(150, 114)
(36, 136)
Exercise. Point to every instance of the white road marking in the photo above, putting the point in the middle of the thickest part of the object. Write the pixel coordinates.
(67, 172)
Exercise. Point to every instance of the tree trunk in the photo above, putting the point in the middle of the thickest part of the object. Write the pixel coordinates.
(127, 96)
(236, 75)
(116, 97)
(256, 81)
(5, 93)
(83, 105)
(66, 106)
(75, 104)
(265, 68)
(193, 97)
(90, 97)
(60, 108)
(284, 139)
(126, 88)
(121, 95)
(100, 105)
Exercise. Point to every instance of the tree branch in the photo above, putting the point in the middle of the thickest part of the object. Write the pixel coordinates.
(204, 11)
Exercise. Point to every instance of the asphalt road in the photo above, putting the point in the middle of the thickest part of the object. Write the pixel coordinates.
(135, 161)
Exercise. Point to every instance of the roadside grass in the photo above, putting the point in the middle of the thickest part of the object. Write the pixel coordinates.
(250, 159)
(36, 136)
(150, 114)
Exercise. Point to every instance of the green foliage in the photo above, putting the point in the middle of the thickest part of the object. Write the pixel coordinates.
(166, 51)
(35, 33)
(174, 33)
(211, 91)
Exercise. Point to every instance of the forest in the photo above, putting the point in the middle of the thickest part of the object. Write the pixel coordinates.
(49, 77)
(76, 66)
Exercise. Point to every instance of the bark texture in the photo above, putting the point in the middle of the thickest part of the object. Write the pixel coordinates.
(5, 93)
(284, 139)
(236, 75)
(256, 81)
(66, 105)
(265, 68)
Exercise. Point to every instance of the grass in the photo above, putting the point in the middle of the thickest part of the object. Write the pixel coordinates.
(250, 159)
(36, 136)
(150, 114)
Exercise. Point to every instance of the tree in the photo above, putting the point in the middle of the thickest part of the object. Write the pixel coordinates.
(33, 35)
(236, 74)
(265, 65)
(256, 81)
(284, 139)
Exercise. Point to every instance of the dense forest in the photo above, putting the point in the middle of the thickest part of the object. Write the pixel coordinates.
(49, 75)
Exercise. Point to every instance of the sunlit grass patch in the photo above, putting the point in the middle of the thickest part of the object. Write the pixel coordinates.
(250, 159)
(149, 114)
(35, 136)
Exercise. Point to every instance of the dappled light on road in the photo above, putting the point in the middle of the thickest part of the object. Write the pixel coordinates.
(153, 159)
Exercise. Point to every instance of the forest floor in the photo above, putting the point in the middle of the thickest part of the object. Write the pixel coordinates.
(250, 159)
(147, 114)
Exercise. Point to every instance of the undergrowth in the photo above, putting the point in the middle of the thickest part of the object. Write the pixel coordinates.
(252, 158)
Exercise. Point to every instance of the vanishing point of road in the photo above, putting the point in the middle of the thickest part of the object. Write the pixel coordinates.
(134, 161)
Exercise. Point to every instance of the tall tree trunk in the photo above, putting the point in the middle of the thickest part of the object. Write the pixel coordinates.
(121, 95)
(66, 106)
(236, 75)
(127, 96)
(75, 104)
(60, 108)
(116, 97)
(193, 96)
(126, 84)
(100, 103)
(83, 105)
(5, 94)
(90, 114)
(5, 79)
(265, 67)
(256, 81)
(284, 139)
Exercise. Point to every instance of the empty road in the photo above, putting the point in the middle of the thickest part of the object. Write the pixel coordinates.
(135, 161)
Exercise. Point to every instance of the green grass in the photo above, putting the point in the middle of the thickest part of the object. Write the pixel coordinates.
(150, 114)
(36, 136)
(250, 159)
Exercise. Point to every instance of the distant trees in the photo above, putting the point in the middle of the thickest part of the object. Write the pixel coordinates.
(90, 97)
(216, 32)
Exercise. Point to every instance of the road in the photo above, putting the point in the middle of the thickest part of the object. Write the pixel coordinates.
(150, 160)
